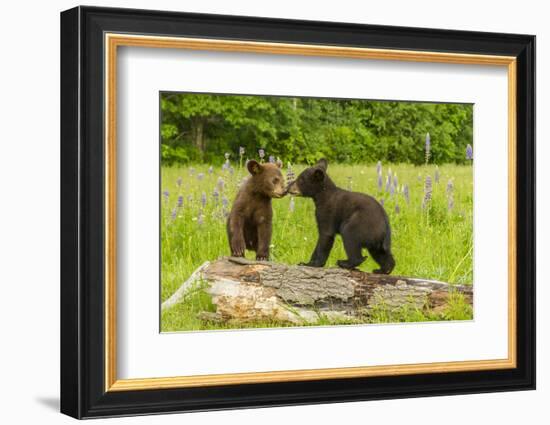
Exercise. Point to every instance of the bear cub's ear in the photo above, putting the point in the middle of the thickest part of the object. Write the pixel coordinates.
(319, 174)
(322, 163)
(254, 167)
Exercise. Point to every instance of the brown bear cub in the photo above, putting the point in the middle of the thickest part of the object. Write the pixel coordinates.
(358, 218)
(249, 223)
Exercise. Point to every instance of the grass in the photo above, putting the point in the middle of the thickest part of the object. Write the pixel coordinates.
(432, 242)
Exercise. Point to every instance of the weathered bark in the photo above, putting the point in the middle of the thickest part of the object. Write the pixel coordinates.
(247, 291)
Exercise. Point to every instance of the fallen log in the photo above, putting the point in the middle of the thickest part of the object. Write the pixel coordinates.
(246, 291)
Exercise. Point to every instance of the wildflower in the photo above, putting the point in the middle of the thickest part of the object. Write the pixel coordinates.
(179, 181)
(290, 176)
(231, 170)
(406, 193)
(469, 152)
(395, 180)
(436, 176)
(388, 183)
(450, 186)
(427, 147)
(166, 195)
(427, 192)
(174, 214)
(200, 176)
(261, 152)
(226, 165)
(380, 183)
(227, 154)
(180, 201)
(210, 170)
(379, 168)
(271, 159)
(203, 199)
(291, 205)
(450, 196)
(392, 190)
(241, 151)
(450, 202)
(225, 202)
(220, 183)
(200, 218)
(216, 195)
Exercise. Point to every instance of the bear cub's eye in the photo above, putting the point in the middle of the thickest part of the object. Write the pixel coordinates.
(275, 180)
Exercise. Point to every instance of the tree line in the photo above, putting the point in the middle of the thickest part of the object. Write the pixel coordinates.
(204, 127)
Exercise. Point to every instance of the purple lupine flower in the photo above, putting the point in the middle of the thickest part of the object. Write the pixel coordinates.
(397, 209)
(261, 152)
(406, 193)
(225, 201)
(392, 190)
(271, 159)
(203, 199)
(166, 195)
(469, 152)
(216, 195)
(450, 186)
(388, 183)
(226, 165)
(395, 180)
(179, 181)
(180, 201)
(210, 170)
(427, 192)
(350, 182)
(450, 202)
(380, 183)
(427, 147)
(290, 176)
(220, 184)
(200, 176)
(174, 214)
(241, 151)
(450, 196)
(379, 168)
(200, 218)
(291, 204)
(436, 176)
(231, 170)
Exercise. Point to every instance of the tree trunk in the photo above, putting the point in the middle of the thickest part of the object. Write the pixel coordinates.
(198, 133)
(248, 291)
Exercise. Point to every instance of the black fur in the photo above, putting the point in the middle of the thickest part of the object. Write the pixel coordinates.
(357, 217)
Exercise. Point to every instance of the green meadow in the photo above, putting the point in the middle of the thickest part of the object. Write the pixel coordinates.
(432, 229)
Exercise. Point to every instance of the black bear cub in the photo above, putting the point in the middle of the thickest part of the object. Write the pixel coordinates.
(249, 223)
(358, 218)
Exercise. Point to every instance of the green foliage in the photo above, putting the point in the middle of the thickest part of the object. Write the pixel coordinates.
(202, 127)
(433, 243)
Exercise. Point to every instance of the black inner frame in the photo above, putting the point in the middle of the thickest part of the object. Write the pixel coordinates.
(82, 212)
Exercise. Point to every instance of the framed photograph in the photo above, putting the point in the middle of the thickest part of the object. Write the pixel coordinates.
(261, 212)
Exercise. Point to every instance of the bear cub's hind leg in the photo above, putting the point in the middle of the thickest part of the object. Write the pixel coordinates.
(352, 246)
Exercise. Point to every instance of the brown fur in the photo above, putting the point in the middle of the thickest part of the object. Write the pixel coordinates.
(250, 220)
